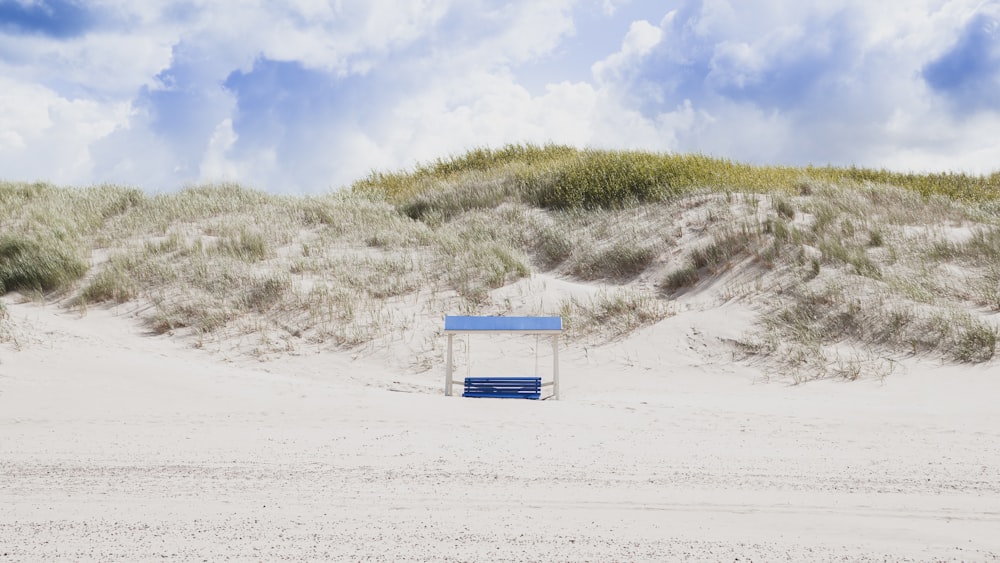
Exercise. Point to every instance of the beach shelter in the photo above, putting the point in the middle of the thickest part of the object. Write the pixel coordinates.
(550, 327)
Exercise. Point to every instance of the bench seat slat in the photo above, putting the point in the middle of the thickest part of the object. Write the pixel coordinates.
(503, 387)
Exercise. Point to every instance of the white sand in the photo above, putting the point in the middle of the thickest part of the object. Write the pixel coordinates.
(119, 445)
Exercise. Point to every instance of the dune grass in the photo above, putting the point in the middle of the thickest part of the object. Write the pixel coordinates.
(37, 265)
(554, 177)
(612, 315)
(870, 268)
(883, 263)
(44, 229)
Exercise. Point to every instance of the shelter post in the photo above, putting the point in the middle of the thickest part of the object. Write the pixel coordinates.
(448, 369)
(555, 366)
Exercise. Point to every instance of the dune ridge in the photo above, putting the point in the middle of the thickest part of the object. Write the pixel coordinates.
(789, 364)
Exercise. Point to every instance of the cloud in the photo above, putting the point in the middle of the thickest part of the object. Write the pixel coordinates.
(641, 38)
(44, 136)
(327, 124)
(306, 95)
(968, 73)
(714, 51)
(54, 18)
(289, 114)
(216, 165)
(790, 82)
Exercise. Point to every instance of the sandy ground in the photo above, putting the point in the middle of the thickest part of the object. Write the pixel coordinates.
(119, 445)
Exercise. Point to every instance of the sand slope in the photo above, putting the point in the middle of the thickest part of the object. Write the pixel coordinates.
(119, 445)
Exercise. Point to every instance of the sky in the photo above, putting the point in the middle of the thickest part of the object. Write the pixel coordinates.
(306, 96)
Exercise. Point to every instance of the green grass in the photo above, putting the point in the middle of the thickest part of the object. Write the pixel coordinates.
(113, 283)
(39, 265)
(621, 261)
(561, 177)
(679, 278)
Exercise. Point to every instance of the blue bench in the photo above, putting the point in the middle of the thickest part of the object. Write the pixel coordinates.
(503, 387)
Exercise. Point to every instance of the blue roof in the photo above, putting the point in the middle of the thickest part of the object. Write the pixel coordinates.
(503, 323)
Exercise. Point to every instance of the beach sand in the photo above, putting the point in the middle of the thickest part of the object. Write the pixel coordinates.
(118, 444)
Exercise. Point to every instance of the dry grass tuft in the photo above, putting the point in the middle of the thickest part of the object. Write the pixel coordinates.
(612, 315)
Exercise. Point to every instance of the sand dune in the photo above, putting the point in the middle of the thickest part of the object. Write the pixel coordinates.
(117, 444)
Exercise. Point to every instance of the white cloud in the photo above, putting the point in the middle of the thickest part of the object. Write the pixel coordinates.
(48, 137)
(104, 62)
(139, 98)
(216, 166)
(342, 37)
(793, 82)
(609, 7)
(642, 37)
(23, 112)
(487, 109)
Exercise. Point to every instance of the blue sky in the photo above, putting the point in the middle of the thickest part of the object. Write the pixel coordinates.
(305, 96)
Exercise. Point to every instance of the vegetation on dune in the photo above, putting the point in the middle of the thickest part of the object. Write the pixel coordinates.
(44, 229)
(31, 265)
(559, 177)
(848, 267)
